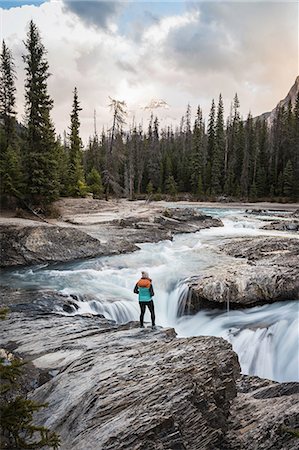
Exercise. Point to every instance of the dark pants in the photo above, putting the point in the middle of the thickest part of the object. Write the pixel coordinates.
(151, 307)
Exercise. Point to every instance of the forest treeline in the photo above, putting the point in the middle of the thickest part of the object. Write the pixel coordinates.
(209, 159)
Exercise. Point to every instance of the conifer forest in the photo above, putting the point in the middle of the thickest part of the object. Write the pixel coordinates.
(204, 158)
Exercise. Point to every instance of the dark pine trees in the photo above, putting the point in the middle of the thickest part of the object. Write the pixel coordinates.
(10, 163)
(76, 184)
(41, 164)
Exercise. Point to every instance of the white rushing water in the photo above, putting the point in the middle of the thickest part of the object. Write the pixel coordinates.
(265, 338)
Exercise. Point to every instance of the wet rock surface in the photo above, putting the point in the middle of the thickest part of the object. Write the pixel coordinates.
(37, 243)
(285, 225)
(169, 222)
(46, 243)
(119, 387)
(264, 270)
(264, 415)
(39, 301)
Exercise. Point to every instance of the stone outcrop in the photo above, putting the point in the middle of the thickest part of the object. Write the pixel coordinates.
(119, 387)
(283, 225)
(172, 221)
(46, 243)
(36, 243)
(263, 416)
(264, 270)
(122, 388)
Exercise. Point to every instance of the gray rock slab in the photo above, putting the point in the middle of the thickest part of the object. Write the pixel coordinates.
(265, 270)
(127, 388)
(48, 243)
(264, 415)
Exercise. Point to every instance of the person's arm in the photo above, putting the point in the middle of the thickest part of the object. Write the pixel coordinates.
(151, 289)
(136, 289)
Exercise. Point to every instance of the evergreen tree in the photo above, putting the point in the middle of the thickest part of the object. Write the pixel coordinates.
(41, 164)
(154, 154)
(170, 185)
(7, 94)
(288, 180)
(211, 147)
(233, 159)
(94, 182)
(296, 147)
(248, 158)
(77, 186)
(219, 151)
(11, 175)
(260, 166)
(197, 161)
(62, 157)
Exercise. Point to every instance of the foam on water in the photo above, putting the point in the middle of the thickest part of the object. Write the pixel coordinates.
(266, 338)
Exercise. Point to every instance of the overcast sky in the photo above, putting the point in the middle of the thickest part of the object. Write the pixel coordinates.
(181, 52)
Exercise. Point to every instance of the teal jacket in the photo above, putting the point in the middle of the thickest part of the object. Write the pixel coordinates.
(144, 289)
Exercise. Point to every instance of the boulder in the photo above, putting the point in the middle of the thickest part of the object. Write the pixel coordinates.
(283, 225)
(264, 270)
(171, 221)
(26, 245)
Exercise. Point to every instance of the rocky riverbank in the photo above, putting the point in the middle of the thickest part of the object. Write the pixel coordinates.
(119, 387)
(263, 270)
(112, 386)
(25, 242)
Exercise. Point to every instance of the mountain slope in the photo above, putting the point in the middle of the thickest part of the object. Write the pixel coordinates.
(291, 96)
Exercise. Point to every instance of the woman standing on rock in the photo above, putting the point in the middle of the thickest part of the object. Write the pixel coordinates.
(145, 291)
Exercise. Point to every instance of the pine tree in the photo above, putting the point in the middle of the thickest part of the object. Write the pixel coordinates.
(41, 164)
(296, 147)
(234, 148)
(62, 157)
(249, 157)
(197, 161)
(11, 175)
(77, 186)
(211, 147)
(170, 185)
(94, 182)
(154, 154)
(7, 94)
(288, 180)
(219, 151)
(260, 166)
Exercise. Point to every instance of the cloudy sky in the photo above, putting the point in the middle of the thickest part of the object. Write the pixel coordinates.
(181, 52)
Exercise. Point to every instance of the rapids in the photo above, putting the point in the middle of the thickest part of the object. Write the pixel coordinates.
(265, 338)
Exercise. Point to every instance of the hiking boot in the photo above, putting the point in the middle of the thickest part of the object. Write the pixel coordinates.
(141, 326)
(154, 327)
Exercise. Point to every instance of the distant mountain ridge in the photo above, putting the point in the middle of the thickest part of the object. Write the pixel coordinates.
(291, 96)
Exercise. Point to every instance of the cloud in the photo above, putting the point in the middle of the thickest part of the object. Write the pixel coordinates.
(247, 47)
(182, 56)
(94, 13)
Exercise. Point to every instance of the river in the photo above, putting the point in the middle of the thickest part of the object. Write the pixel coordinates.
(265, 338)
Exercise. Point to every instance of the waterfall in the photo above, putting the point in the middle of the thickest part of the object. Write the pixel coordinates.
(265, 338)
